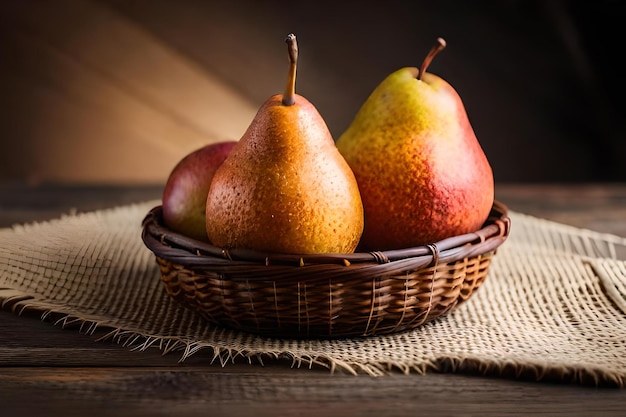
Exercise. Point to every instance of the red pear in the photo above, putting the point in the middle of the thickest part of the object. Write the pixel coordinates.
(187, 187)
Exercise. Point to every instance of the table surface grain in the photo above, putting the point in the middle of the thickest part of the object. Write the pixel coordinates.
(46, 370)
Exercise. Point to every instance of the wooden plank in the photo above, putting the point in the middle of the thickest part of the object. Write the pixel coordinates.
(283, 391)
(19, 203)
(599, 207)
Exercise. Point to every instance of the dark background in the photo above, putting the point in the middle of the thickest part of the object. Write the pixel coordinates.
(542, 81)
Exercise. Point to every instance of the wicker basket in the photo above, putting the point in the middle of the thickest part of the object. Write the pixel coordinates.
(324, 296)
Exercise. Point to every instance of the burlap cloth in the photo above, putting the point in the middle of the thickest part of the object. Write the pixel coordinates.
(553, 305)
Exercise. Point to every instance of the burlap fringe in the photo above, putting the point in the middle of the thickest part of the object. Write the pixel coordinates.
(20, 304)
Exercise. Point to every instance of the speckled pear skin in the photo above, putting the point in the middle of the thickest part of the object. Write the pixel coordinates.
(285, 187)
(422, 173)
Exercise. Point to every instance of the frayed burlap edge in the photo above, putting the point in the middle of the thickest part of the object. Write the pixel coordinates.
(219, 355)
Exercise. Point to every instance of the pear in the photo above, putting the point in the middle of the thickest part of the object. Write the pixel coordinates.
(285, 187)
(422, 173)
(187, 187)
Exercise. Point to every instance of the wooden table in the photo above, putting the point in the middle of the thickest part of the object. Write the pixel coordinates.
(46, 370)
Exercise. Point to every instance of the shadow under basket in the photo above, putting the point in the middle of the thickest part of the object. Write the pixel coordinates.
(327, 295)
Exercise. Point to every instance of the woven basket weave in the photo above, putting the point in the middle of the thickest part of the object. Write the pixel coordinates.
(324, 296)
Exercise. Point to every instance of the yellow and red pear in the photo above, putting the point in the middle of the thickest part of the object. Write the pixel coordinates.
(422, 173)
(285, 187)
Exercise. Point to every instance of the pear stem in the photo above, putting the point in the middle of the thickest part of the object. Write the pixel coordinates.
(289, 98)
(438, 47)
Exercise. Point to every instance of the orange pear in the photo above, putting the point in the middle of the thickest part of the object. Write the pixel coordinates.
(285, 187)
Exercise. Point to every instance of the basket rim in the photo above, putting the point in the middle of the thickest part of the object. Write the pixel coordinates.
(178, 248)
